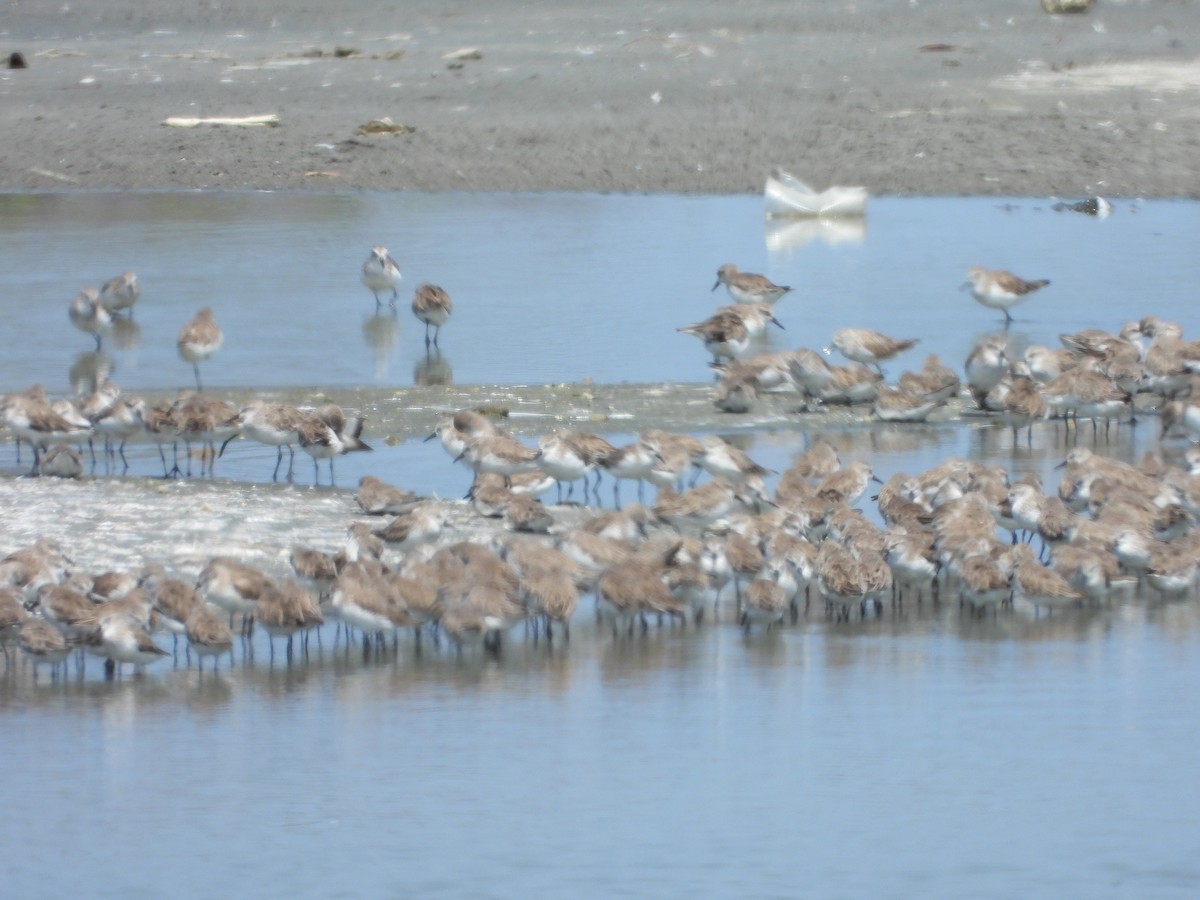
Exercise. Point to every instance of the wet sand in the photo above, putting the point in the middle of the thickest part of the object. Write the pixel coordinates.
(935, 97)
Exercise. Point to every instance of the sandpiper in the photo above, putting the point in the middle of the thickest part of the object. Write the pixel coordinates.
(420, 525)
(43, 643)
(863, 345)
(207, 634)
(380, 273)
(723, 460)
(328, 432)
(120, 293)
(274, 424)
(207, 421)
(286, 608)
(998, 289)
(233, 586)
(633, 461)
(935, 381)
(376, 497)
(88, 315)
(563, 459)
(747, 287)
(724, 335)
(499, 454)
(123, 421)
(30, 417)
(199, 339)
(986, 365)
(900, 405)
(432, 305)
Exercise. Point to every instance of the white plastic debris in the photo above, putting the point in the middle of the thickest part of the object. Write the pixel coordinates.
(787, 195)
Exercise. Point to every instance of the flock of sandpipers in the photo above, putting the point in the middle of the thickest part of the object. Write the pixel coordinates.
(961, 532)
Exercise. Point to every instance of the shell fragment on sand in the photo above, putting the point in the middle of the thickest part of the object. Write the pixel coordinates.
(787, 195)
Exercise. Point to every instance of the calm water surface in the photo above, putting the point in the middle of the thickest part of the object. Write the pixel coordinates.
(924, 753)
(548, 288)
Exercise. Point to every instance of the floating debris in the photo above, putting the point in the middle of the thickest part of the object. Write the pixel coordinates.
(270, 121)
(1055, 7)
(463, 54)
(787, 195)
(1091, 206)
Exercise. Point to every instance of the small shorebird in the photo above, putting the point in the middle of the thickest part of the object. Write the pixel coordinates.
(89, 315)
(901, 405)
(453, 431)
(208, 635)
(721, 459)
(199, 339)
(327, 433)
(380, 273)
(499, 454)
(433, 306)
(998, 289)
(274, 424)
(765, 601)
(61, 461)
(850, 384)
(696, 508)
(30, 418)
(376, 497)
(120, 293)
(869, 347)
(43, 643)
(1023, 405)
(233, 586)
(564, 459)
(121, 638)
(421, 525)
(121, 422)
(205, 421)
(935, 381)
(747, 287)
(173, 599)
(735, 395)
(361, 599)
(633, 462)
(986, 365)
(285, 609)
(724, 335)
(528, 514)
(755, 316)
(847, 484)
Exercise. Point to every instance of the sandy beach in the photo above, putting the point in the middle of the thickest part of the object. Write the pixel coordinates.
(926, 97)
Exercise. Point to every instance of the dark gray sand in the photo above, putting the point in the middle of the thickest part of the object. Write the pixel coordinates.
(923, 97)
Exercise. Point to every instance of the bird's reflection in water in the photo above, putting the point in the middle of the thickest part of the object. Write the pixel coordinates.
(126, 334)
(380, 332)
(433, 369)
(89, 371)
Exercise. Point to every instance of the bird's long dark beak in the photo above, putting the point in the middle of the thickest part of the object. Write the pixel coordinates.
(717, 285)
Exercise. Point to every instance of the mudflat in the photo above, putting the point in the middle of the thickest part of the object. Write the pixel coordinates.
(918, 97)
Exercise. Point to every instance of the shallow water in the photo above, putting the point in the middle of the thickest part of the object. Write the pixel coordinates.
(547, 288)
(924, 751)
